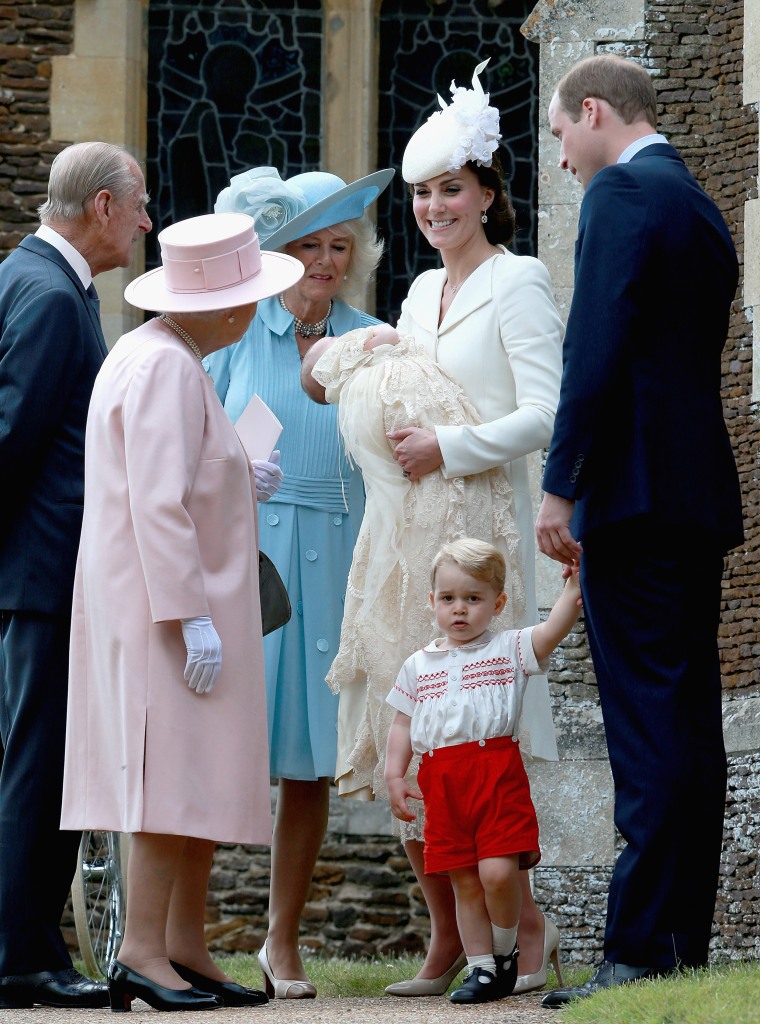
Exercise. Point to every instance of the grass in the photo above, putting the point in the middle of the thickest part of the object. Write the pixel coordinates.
(724, 994)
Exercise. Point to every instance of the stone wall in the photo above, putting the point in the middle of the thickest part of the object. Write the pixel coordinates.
(365, 901)
(30, 36)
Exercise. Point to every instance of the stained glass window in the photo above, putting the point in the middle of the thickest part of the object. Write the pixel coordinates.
(423, 46)
(232, 84)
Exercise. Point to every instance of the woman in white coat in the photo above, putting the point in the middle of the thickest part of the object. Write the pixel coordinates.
(489, 320)
(166, 734)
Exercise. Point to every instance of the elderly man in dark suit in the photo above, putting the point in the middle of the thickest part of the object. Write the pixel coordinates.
(51, 348)
(642, 474)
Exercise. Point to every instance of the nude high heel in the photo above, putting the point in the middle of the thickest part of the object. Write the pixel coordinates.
(279, 988)
(531, 982)
(428, 986)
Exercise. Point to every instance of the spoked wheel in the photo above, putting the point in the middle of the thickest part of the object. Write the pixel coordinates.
(99, 898)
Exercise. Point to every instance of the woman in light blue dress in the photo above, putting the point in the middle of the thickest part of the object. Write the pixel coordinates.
(309, 526)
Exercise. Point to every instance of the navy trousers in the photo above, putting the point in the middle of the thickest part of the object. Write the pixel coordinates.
(37, 859)
(652, 605)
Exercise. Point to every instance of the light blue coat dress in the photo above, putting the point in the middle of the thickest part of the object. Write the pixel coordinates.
(308, 530)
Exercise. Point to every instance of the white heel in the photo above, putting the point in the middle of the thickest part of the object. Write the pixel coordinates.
(278, 988)
(531, 982)
(428, 986)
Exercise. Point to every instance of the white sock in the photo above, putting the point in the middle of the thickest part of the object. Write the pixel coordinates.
(483, 963)
(504, 940)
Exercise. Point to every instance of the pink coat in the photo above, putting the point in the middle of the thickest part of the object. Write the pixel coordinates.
(169, 532)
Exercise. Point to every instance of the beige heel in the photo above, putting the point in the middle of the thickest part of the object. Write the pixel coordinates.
(279, 988)
(531, 982)
(428, 986)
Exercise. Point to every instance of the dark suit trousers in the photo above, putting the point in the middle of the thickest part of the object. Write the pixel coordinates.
(652, 603)
(37, 859)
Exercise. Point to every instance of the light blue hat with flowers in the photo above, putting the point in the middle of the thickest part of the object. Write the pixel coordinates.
(285, 210)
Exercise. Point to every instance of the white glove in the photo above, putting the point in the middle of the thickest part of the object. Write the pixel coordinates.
(268, 476)
(204, 653)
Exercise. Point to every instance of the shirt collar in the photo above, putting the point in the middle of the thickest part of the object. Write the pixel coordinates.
(72, 256)
(482, 640)
(635, 147)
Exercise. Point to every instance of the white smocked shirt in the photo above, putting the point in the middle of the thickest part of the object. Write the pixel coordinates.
(466, 694)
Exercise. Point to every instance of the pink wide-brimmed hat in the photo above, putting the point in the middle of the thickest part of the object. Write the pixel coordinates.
(212, 262)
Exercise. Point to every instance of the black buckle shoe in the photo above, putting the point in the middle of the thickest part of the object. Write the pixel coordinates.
(480, 986)
(506, 972)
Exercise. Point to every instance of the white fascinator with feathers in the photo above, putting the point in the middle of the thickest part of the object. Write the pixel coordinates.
(465, 129)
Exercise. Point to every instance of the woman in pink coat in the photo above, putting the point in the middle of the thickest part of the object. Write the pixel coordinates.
(166, 733)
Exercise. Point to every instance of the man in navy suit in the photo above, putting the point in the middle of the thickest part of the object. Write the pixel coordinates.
(51, 348)
(641, 475)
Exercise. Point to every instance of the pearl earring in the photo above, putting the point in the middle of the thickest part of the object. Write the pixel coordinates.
(484, 217)
(230, 319)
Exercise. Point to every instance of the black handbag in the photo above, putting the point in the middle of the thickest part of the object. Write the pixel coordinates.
(275, 603)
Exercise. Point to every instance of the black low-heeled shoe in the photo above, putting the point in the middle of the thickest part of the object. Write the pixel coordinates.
(480, 986)
(124, 985)
(229, 992)
(506, 972)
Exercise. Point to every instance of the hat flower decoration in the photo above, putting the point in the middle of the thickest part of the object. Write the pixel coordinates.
(263, 195)
(467, 129)
(479, 123)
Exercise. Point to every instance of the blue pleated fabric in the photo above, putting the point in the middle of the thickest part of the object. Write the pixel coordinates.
(308, 530)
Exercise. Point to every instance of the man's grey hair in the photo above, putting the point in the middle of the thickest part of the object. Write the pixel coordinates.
(79, 172)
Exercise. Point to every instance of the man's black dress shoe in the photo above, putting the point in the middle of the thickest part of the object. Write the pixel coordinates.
(229, 992)
(607, 976)
(67, 988)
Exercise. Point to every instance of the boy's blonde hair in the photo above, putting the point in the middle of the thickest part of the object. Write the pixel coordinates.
(482, 561)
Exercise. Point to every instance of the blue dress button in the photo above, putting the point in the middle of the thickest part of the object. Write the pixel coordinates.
(299, 607)
(338, 520)
(273, 519)
(311, 555)
(322, 644)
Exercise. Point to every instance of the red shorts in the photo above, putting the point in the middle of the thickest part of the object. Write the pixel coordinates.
(477, 805)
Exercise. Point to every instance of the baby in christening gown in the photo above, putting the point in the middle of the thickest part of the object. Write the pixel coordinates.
(387, 613)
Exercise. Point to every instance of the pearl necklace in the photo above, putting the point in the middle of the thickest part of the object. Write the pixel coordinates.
(308, 330)
(182, 333)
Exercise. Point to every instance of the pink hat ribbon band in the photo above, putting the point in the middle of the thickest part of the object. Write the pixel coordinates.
(215, 272)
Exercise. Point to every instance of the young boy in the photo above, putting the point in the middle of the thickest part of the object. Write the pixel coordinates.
(458, 704)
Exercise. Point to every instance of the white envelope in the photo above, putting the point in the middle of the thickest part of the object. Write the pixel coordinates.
(258, 428)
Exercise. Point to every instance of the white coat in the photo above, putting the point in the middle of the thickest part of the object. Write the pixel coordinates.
(501, 341)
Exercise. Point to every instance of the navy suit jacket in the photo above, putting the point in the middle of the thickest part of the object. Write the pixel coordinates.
(639, 428)
(51, 348)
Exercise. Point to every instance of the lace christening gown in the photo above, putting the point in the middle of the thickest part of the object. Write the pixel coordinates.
(387, 612)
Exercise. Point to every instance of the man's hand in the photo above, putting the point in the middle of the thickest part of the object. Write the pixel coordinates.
(553, 530)
(417, 451)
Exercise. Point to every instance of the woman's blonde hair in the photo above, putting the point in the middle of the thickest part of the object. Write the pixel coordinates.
(366, 252)
(478, 559)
